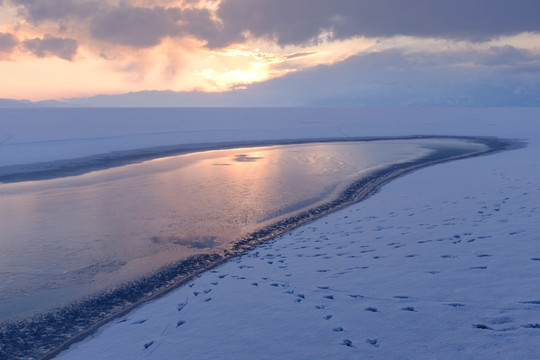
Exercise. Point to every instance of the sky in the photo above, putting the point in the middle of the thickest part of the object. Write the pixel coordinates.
(271, 52)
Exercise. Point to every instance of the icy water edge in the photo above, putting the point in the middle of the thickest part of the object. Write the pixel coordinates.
(356, 181)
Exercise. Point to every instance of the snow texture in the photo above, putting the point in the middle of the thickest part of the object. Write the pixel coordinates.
(443, 263)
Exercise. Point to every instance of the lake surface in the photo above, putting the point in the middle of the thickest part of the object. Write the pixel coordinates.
(64, 238)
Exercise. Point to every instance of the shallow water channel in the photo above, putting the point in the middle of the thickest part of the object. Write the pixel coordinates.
(64, 238)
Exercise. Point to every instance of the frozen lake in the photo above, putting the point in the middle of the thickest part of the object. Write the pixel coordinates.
(65, 238)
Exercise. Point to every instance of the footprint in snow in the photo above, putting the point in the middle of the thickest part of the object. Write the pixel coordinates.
(371, 309)
(533, 302)
(374, 342)
(337, 329)
(456, 305)
(347, 342)
(148, 344)
(180, 323)
(531, 326)
(408, 308)
(481, 326)
(139, 322)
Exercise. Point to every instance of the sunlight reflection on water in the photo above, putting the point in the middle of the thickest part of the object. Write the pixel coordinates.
(67, 237)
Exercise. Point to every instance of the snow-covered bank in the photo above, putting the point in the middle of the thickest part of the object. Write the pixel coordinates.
(442, 263)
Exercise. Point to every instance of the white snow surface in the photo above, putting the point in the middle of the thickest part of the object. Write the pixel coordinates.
(443, 263)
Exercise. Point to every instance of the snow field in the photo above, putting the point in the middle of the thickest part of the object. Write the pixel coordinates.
(443, 263)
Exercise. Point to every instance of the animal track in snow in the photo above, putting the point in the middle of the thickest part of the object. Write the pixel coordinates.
(374, 342)
(409, 308)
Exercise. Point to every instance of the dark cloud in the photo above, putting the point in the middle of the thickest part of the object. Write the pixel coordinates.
(7, 43)
(300, 21)
(40, 10)
(135, 26)
(124, 24)
(146, 27)
(290, 22)
(52, 46)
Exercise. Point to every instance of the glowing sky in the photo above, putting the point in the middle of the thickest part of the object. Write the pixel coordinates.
(54, 49)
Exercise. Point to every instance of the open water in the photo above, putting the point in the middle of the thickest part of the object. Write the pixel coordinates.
(65, 238)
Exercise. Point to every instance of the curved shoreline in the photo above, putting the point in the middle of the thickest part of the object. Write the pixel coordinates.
(47, 335)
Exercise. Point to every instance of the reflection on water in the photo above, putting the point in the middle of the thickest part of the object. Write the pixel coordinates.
(67, 237)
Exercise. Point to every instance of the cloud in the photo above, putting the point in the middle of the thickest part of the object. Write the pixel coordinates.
(143, 27)
(37, 11)
(297, 22)
(123, 24)
(135, 26)
(7, 43)
(388, 78)
(301, 21)
(508, 56)
(64, 48)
